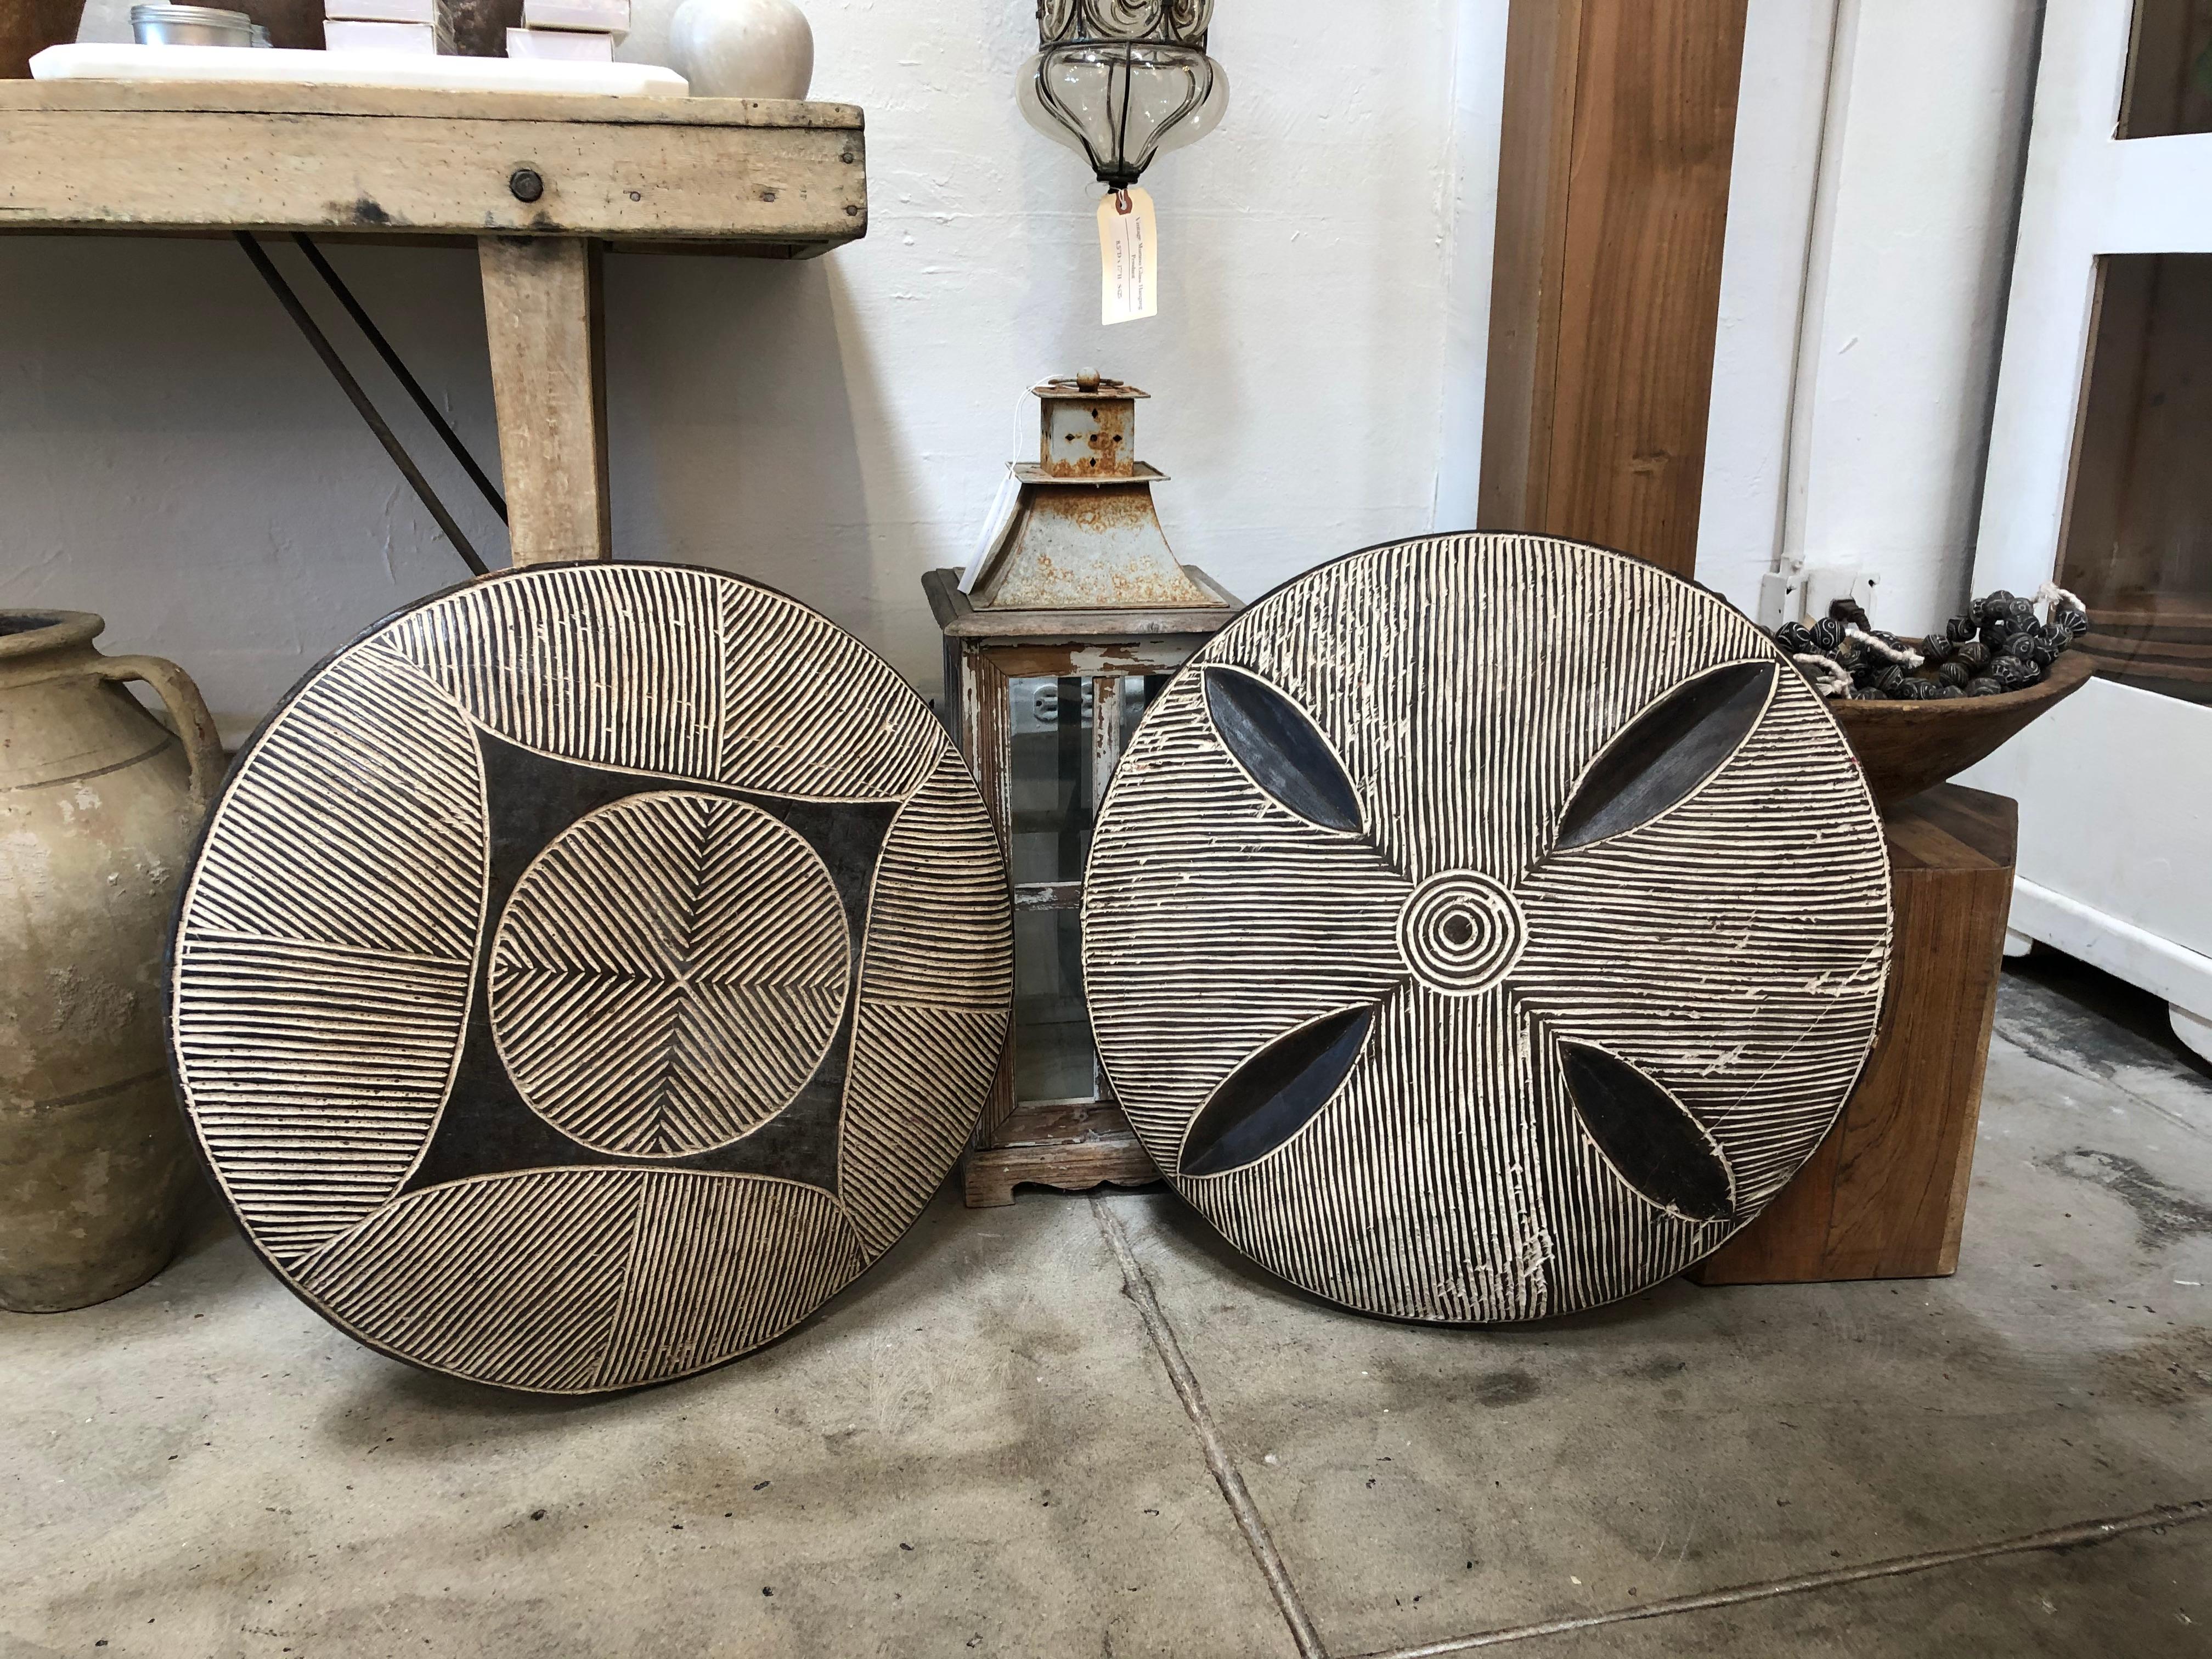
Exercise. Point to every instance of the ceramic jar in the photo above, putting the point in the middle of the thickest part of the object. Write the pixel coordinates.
(647, 40)
(742, 48)
(99, 805)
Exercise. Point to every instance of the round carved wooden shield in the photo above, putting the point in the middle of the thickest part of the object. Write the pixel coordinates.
(588, 973)
(1484, 927)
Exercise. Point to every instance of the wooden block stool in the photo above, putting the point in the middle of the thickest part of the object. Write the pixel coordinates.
(1885, 1197)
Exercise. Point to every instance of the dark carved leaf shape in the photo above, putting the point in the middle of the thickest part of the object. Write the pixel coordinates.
(1275, 742)
(1274, 1094)
(1666, 752)
(1649, 1136)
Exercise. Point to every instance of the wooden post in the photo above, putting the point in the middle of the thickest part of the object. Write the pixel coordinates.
(541, 316)
(1612, 187)
(27, 27)
(1884, 1196)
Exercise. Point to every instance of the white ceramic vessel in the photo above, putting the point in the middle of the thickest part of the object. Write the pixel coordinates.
(647, 40)
(742, 48)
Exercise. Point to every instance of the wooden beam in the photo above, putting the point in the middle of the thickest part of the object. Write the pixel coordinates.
(541, 316)
(1619, 130)
(104, 155)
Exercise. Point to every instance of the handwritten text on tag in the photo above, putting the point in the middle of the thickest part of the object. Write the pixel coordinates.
(1128, 257)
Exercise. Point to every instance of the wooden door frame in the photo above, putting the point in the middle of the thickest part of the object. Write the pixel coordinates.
(1615, 162)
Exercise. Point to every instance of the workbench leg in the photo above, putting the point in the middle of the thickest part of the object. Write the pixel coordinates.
(542, 316)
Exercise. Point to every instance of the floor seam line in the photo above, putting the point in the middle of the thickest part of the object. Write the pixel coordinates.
(2086, 1532)
(1137, 1286)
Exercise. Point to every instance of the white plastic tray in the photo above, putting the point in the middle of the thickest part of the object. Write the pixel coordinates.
(89, 61)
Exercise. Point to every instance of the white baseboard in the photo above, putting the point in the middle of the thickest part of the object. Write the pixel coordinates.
(2160, 966)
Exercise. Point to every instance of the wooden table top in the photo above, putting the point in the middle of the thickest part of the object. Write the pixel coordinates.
(760, 176)
(1952, 827)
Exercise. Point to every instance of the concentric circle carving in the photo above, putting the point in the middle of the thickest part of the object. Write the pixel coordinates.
(668, 974)
(1484, 927)
(1461, 932)
(588, 973)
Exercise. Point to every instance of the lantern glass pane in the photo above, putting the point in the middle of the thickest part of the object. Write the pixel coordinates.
(1053, 1056)
(1207, 116)
(1053, 780)
(1118, 102)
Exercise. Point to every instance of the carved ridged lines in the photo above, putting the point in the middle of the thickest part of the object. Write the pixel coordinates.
(1608, 1241)
(315, 1075)
(669, 973)
(1230, 921)
(938, 921)
(918, 1077)
(1733, 946)
(1761, 983)
(935, 983)
(326, 949)
(616, 665)
(1464, 721)
(567, 1280)
(679, 672)
(1367, 1205)
(874, 740)
(781, 1251)
(358, 820)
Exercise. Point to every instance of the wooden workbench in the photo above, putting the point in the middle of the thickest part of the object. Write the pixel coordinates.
(541, 184)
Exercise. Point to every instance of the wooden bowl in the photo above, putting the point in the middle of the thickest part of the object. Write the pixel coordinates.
(1907, 747)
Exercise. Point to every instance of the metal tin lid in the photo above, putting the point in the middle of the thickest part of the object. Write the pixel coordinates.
(213, 16)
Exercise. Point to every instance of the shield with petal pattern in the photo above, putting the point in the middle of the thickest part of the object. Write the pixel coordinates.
(1484, 927)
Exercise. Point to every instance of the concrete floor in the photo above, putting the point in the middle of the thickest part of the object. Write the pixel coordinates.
(1079, 1427)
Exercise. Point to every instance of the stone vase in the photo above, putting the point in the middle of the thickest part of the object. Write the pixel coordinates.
(99, 805)
(742, 48)
(647, 40)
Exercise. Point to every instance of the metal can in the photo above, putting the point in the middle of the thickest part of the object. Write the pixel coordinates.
(159, 25)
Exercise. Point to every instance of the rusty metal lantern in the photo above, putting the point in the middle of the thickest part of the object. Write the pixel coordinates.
(1068, 623)
(1085, 534)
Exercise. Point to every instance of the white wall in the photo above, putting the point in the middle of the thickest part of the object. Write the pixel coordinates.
(172, 456)
(1780, 113)
(1918, 180)
(171, 453)
(1477, 108)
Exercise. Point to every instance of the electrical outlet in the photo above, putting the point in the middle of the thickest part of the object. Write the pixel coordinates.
(1825, 585)
(1865, 588)
(1805, 595)
(1779, 592)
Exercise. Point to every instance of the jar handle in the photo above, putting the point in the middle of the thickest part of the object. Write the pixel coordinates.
(203, 748)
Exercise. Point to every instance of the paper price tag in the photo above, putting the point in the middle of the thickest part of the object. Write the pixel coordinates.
(1128, 257)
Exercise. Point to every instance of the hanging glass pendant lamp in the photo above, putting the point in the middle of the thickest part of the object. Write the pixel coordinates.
(1121, 81)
